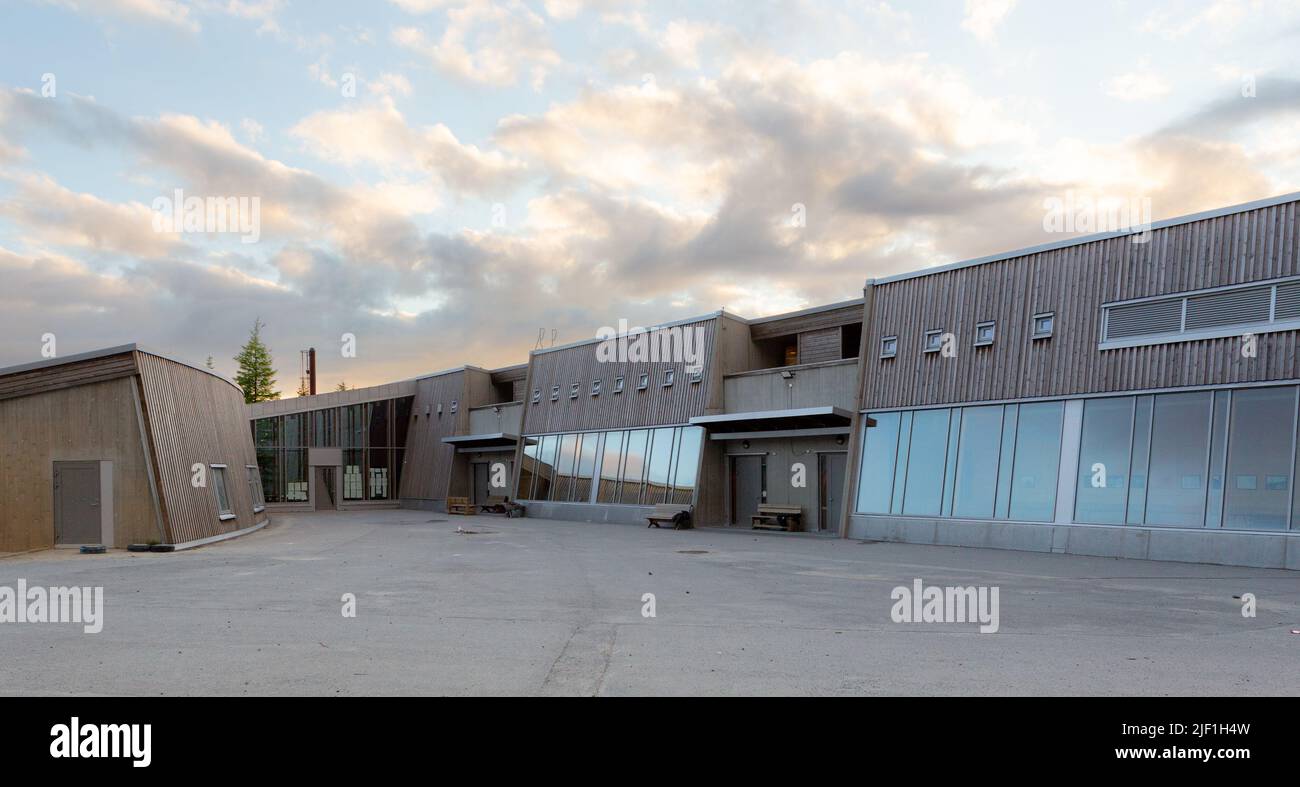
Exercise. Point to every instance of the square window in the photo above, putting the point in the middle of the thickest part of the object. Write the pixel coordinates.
(595, 387)
(537, 395)
(555, 393)
(889, 347)
(1044, 324)
(933, 341)
(454, 404)
(669, 378)
(643, 382)
(573, 391)
(618, 384)
(697, 376)
(984, 333)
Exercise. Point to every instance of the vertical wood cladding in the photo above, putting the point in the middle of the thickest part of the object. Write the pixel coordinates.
(196, 418)
(91, 422)
(429, 470)
(819, 346)
(654, 406)
(1074, 282)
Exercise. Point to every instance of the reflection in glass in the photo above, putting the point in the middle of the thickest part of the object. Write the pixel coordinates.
(1180, 437)
(688, 462)
(1038, 457)
(1104, 451)
(1259, 448)
(925, 463)
(879, 447)
(661, 457)
(609, 467)
(977, 461)
(634, 466)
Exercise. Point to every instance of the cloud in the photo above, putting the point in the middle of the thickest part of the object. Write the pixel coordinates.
(485, 42)
(983, 17)
(166, 12)
(1140, 84)
(379, 134)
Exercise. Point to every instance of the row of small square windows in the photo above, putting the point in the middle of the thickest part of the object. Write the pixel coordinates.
(984, 332)
(643, 382)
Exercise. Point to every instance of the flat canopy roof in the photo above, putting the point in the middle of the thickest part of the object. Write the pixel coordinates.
(483, 442)
(810, 420)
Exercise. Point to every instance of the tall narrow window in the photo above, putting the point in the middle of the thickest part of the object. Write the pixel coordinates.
(1259, 459)
(1038, 459)
(1180, 444)
(1105, 447)
(255, 489)
(223, 495)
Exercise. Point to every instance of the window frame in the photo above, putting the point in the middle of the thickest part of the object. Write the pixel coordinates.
(555, 393)
(992, 325)
(255, 488)
(573, 390)
(537, 395)
(925, 341)
(892, 352)
(643, 382)
(670, 377)
(595, 387)
(1035, 333)
(618, 384)
(228, 512)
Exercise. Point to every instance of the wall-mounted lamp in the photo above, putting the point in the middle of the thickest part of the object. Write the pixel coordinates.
(839, 440)
(787, 375)
(744, 444)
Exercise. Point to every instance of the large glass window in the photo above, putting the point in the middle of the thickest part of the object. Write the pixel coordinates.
(977, 462)
(564, 463)
(545, 467)
(528, 470)
(1260, 445)
(1180, 444)
(219, 486)
(661, 463)
(609, 467)
(1104, 451)
(636, 467)
(1038, 459)
(638, 444)
(586, 467)
(879, 448)
(688, 462)
(925, 464)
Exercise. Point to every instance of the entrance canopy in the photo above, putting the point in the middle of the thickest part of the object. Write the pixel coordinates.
(798, 422)
(496, 441)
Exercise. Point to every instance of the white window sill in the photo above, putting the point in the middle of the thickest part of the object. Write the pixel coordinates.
(224, 517)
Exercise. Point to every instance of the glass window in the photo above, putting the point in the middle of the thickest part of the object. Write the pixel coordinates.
(269, 465)
(1010, 422)
(1141, 460)
(255, 489)
(977, 462)
(925, 464)
(295, 476)
(1104, 450)
(378, 427)
(537, 395)
(401, 420)
(353, 475)
(1044, 324)
(661, 462)
(889, 347)
(643, 382)
(1218, 459)
(1262, 428)
(527, 470)
(266, 432)
(586, 466)
(1038, 458)
(354, 426)
(984, 333)
(933, 341)
(688, 462)
(564, 462)
(573, 391)
(379, 475)
(595, 387)
(618, 385)
(876, 477)
(324, 428)
(545, 467)
(669, 377)
(609, 467)
(219, 486)
(1179, 450)
(555, 393)
(638, 443)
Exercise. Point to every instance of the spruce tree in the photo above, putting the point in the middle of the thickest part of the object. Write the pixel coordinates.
(256, 370)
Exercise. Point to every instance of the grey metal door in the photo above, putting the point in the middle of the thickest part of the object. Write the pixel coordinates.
(481, 491)
(77, 515)
(748, 487)
(831, 472)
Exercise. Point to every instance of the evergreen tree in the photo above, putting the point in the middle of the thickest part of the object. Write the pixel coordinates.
(208, 364)
(256, 370)
(342, 386)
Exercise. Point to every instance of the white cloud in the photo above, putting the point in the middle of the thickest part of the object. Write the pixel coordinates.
(1141, 84)
(488, 43)
(983, 17)
(169, 12)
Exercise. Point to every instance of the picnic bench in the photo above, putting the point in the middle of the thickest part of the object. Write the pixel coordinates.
(459, 505)
(667, 512)
(774, 517)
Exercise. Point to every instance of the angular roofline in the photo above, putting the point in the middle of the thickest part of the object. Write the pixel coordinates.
(1244, 207)
(104, 352)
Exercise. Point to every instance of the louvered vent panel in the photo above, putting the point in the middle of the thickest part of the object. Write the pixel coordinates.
(1234, 307)
(1144, 319)
(1288, 301)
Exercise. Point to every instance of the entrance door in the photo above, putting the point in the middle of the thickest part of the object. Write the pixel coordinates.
(77, 515)
(748, 487)
(325, 490)
(482, 470)
(831, 469)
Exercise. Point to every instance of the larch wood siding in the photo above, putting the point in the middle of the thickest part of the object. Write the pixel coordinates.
(196, 418)
(818, 346)
(67, 375)
(817, 321)
(90, 422)
(430, 463)
(1074, 282)
(654, 406)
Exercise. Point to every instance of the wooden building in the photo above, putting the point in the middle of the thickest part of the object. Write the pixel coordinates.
(123, 446)
(1129, 394)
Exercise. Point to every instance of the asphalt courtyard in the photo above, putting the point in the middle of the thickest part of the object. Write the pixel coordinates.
(490, 606)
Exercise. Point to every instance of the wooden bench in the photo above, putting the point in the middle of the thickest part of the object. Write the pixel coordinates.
(789, 518)
(664, 512)
(459, 505)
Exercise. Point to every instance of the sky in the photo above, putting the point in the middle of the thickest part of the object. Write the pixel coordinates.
(454, 182)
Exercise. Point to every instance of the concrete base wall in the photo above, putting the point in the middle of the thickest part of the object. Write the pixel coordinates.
(1220, 547)
(584, 512)
(422, 504)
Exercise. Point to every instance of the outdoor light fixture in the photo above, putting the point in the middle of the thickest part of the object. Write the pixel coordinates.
(787, 375)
